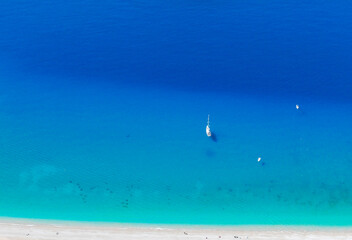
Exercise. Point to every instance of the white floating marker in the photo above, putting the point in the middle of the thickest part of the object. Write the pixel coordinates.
(297, 106)
(259, 159)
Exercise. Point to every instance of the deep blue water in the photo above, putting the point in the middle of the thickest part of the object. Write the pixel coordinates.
(103, 107)
(265, 47)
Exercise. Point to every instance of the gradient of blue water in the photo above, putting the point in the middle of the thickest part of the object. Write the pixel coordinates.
(103, 110)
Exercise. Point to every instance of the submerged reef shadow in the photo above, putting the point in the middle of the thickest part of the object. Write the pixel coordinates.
(210, 153)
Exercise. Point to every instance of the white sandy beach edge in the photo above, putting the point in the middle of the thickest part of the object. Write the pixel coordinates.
(17, 229)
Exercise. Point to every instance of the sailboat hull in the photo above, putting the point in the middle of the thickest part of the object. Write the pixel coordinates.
(207, 130)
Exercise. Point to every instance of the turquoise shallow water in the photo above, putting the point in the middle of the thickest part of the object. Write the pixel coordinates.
(111, 152)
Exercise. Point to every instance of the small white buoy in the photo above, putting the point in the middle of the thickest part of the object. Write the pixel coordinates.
(297, 106)
(259, 159)
(207, 129)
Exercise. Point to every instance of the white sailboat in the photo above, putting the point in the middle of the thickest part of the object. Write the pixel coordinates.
(207, 129)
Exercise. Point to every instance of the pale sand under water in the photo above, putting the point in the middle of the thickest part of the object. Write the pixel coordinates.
(32, 229)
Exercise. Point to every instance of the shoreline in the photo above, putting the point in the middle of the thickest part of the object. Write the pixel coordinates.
(18, 228)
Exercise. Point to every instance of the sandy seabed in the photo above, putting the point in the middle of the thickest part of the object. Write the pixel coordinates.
(18, 229)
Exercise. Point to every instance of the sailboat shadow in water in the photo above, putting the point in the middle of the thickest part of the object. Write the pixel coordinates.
(213, 137)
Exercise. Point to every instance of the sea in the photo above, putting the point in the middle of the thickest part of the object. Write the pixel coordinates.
(104, 105)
